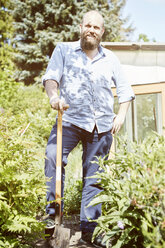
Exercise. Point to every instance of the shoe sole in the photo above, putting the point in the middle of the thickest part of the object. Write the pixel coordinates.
(51, 227)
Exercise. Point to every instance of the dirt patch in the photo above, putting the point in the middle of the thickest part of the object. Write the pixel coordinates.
(71, 222)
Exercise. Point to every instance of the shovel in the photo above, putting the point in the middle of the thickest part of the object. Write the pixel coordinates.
(61, 234)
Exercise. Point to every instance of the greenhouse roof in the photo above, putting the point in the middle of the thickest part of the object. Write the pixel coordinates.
(143, 63)
(147, 46)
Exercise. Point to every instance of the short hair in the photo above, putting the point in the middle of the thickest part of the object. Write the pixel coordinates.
(96, 12)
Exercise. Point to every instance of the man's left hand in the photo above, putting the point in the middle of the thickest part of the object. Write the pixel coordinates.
(120, 117)
(117, 124)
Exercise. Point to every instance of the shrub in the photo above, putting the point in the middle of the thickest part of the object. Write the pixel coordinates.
(25, 125)
(72, 197)
(22, 187)
(24, 129)
(73, 182)
(133, 213)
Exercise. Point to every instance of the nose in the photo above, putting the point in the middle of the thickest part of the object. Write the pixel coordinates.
(91, 29)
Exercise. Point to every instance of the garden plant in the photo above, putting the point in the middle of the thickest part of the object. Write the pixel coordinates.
(25, 123)
(133, 182)
(133, 199)
(22, 182)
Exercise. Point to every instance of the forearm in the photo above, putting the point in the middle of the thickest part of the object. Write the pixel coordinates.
(123, 109)
(51, 87)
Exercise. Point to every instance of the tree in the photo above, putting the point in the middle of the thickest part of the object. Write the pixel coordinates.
(144, 38)
(5, 21)
(39, 25)
(6, 31)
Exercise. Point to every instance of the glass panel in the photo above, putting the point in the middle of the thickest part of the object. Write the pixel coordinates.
(146, 115)
(143, 119)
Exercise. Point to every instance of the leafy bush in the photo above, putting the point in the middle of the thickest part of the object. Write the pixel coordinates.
(73, 182)
(25, 125)
(72, 197)
(22, 187)
(133, 199)
(24, 128)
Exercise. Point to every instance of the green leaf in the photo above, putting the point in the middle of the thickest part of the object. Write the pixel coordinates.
(99, 199)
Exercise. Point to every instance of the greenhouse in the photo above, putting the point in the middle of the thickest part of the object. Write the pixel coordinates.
(144, 67)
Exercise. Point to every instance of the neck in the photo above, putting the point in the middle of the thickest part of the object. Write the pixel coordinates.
(91, 53)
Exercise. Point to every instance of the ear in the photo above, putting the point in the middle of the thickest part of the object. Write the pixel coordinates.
(80, 27)
(103, 29)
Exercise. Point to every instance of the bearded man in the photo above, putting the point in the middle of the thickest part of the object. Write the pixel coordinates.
(84, 73)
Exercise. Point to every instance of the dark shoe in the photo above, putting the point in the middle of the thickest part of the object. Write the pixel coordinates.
(49, 222)
(87, 237)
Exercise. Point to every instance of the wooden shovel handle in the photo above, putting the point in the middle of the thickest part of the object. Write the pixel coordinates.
(58, 168)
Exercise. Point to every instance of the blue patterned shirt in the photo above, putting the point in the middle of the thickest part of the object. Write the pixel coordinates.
(85, 85)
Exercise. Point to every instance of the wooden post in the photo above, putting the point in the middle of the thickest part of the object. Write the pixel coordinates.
(163, 110)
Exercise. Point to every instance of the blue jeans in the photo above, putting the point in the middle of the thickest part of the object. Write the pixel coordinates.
(94, 145)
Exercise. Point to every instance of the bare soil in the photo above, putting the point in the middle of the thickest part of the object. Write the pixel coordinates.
(73, 223)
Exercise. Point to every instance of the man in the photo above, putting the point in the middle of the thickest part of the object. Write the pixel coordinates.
(84, 71)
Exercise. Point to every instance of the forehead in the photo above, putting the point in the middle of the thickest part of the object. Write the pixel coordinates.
(93, 19)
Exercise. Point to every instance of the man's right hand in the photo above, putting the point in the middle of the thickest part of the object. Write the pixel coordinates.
(58, 104)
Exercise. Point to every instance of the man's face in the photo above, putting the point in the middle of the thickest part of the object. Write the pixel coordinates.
(91, 31)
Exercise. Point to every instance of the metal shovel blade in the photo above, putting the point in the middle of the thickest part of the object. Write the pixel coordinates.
(62, 236)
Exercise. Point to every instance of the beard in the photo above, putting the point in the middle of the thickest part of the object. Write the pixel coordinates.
(89, 42)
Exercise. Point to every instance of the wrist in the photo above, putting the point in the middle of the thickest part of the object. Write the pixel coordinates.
(53, 98)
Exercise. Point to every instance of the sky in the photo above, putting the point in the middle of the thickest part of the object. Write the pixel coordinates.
(148, 17)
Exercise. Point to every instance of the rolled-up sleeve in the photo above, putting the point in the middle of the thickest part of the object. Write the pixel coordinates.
(55, 66)
(123, 87)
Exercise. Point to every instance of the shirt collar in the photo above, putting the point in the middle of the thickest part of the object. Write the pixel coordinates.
(77, 45)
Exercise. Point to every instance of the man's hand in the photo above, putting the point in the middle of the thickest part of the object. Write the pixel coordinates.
(117, 124)
(51, 87)
(120, 117)
(58, 104)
